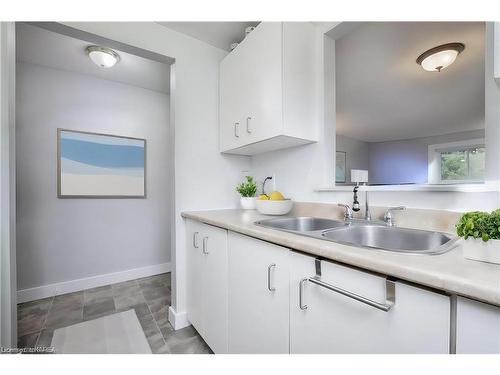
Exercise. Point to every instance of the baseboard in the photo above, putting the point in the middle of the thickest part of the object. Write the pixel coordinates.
(177, 320)
(64, 287)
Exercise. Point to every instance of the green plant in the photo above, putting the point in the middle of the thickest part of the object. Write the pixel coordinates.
(478, 224)
(248, 188)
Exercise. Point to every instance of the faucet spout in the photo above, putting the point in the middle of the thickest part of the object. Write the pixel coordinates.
(347, 212)
(368, 215)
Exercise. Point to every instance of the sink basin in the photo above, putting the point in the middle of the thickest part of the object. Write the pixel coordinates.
(371, 235)
(301, 224)
(392, 239)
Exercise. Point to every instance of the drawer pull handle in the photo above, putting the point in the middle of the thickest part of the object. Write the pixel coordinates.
(236, 128)
(301, 294)
(195, 240)
(249, 130)
(205, 245)
(390, 291)
(269, 287)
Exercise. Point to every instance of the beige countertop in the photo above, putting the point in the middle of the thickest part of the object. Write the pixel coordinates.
(450, 272)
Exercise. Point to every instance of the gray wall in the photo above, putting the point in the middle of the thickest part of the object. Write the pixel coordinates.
(66, 239)
(395, 162)
(406, 161)
(356, 154)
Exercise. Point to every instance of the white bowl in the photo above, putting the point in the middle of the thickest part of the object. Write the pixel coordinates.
(272, 207)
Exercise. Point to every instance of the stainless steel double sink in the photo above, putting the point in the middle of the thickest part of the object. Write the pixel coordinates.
(366, 234)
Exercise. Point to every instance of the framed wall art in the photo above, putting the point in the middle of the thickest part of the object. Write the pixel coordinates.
(93, 165)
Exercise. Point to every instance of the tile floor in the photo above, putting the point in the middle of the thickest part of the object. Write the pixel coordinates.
(149, 297)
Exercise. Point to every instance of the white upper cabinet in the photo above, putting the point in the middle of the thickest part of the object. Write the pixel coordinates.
(268, 90)
(478, 327)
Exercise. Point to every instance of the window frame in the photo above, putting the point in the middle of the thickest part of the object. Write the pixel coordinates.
(434, 160)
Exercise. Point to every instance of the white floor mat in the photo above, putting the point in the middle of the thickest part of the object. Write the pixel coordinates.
(120, 333)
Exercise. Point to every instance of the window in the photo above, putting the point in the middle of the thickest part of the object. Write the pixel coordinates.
(458, 162)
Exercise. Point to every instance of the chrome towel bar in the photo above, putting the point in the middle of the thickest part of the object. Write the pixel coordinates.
(390, 291)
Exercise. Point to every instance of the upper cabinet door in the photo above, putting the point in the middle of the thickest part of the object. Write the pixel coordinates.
(258, 296)
(268, 85)
(231, 97)
(262, 73)
(325, 321)
(478, 327)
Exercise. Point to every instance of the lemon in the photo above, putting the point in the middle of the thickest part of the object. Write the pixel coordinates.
(276, 196)
(263, 197)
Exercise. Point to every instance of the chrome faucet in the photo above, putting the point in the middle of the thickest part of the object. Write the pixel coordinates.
(348, 211)
(368, 215)
(355, 205)
(388, 215)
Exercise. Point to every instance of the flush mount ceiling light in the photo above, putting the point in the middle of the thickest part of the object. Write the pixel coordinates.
(438, 58)
(102, 56)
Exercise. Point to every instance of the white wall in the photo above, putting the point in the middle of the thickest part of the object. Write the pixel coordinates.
(8, 307)
(60, 240)
(204, 179)
(492, 103)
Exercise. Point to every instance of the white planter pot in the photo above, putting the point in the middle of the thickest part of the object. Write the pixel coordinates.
(248, 203)
(477, 249)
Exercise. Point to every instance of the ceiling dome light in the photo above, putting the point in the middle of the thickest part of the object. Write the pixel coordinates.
(102, 56)
(438, 58)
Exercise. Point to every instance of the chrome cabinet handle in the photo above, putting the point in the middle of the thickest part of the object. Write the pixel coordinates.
(205, 245)
(269, 287)
(195, 240)
(248, 125)
(301, 294)
(390, 293)
(236, 126)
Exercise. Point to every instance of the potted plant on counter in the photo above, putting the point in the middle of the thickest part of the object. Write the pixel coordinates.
(247, 191)
(481, 234)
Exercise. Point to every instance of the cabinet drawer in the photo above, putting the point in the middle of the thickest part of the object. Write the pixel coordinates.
(478, 327)
(335, 322)
(363, 283)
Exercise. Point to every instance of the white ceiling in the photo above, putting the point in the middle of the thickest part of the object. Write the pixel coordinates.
(382, 94)
(39, 46)
(217, 34)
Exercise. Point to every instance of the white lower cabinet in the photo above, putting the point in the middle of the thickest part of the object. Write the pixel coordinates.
(207, 283)
(258, 296)
(417, 322)
(478, 327)
(245, 295)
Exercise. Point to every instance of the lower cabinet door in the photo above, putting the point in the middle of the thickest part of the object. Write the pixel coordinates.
(323, 320)
(214, 252)
(478, 327)
(258, 296)
(194, 274)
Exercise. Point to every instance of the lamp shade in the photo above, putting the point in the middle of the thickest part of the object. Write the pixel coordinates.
(359, 175)
(438, 58)
(102, 56)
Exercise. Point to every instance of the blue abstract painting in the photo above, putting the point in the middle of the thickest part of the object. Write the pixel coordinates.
(100, 165)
